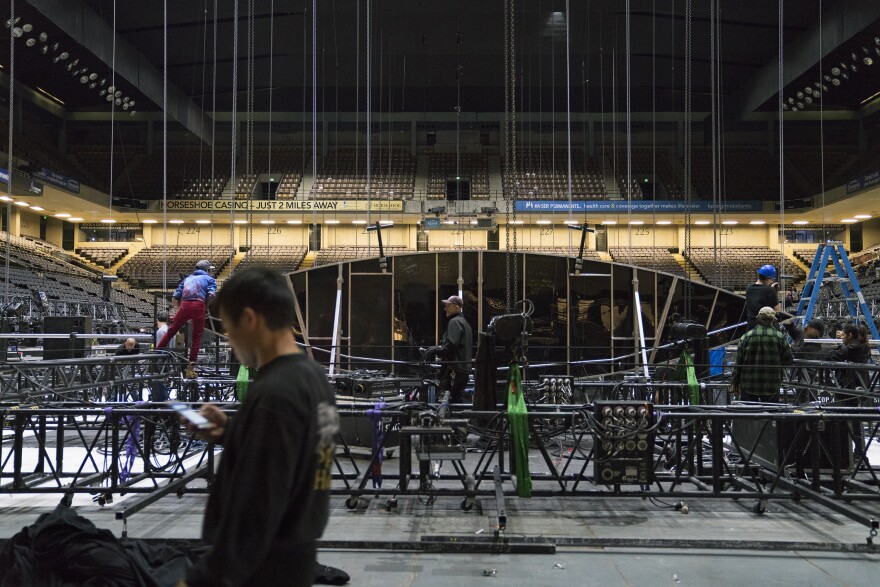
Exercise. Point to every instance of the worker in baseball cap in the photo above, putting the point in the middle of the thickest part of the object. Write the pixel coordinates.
(457, 350)
(762, 293)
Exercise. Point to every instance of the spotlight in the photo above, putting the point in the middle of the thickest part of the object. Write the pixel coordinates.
(844, 75)
(118, 93)
(103, 81)
(118, 102)
(31, 42)
(102, 92)
(800, 95)
(125, 105)
(132, 113)
(835, 82)
(10, 22)
(109, 97)
(131, 103)
(43, 37)
(824, 88)
(843, 65)
(808, 100)
(27, 28)
(835, 71)
(854, 56)
(800, 105)
(84, 70)
(70, 65)
(794, 109)
(126, 99)
(84, 79)
(808, 91)
(791, 100)
(111, 89)
(64, 55)
(17, 32)
(92, 85)
(44, 50)
(867, 59)
(56, 59)
(785, 106)
(93, 76)
(54, 47)
(854, 68)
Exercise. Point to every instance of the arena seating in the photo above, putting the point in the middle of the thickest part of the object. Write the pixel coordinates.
(655, 258)
(95, 160)
(105, 257)
(738, 265)
(561, 251)
(350, 253)
(443, 166)
(144, 269)
(457, 247)
(748, 174)
(343, 175)
(282, 258)
(542, 174)
(27, 254)
(647, 164)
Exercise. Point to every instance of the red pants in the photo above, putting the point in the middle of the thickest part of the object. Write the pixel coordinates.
(195, 311)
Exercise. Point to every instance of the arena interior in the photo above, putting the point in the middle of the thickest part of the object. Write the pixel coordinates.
(599, 181)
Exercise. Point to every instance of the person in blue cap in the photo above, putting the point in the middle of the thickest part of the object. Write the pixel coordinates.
(762, 293)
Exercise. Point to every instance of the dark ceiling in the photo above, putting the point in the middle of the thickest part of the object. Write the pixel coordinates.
(416, 53)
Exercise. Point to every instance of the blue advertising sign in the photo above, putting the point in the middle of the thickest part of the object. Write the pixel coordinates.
(431, 223)
(622, 206)
(863, 182)
(58, 180)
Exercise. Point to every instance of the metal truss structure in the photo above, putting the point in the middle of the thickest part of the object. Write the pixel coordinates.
(817, 450)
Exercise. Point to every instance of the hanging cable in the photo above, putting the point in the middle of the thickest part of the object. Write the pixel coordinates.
(164, 143)
(112, 124)
(9, 150)
(234, 149)
(825, 235)
(315, 114)
(568, 99)
(271, 91)
(781, 153)
(213, 126)
(629, 184)
(712, 21)
(688, 154)
(369, 106)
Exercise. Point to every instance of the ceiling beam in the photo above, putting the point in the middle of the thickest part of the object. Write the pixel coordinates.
(841, 23)
(88, 29)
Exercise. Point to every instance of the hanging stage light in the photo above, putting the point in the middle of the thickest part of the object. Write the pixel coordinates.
(111, 89)
(10, 22)
(791, 100)
(93, 76)
(785, 106)
(117, 93)
(102, 82)
(102, 92)
(118, 102)
(844, 75)
(854, 68)
(866, 58)
(43, 37)
(27, 28)
(92, 85)
(31, 42)
(17, 32)
(64, 55)
(132, 113)
(45, 49)
(800, 105)
(835, 82)
(55, 47)
(794, 109)
(125, 105)
(131, 103)
(835, 71)
(84, 79)
(800, 95)
(808, 100)
(126, 99)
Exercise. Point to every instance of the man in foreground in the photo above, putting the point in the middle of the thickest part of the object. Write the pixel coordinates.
(269, 503)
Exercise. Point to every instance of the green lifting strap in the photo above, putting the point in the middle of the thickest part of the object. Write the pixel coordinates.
(686, 372)
(241, 382)
(518, 420)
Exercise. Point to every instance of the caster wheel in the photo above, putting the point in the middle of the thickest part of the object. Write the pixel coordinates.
(102, 501)
(760, 507)
(467, 504)
(391, 504)
(389, 453)
(180, 494)
(352, 502)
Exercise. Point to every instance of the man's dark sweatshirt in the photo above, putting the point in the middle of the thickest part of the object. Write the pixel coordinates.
(270, 499)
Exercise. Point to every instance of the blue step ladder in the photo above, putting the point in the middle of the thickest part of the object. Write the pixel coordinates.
(834, 252)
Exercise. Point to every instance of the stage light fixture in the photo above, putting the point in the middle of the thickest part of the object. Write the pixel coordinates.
(118, 102)
(111, 89)
(854, 68)
(92, 85)
(131, 103)
(835, 82)
(125, 106)
(800, 95)
(11, 22)
(808, 91)
(109, 97)
(63, 55)
(118, 93)
(102, 92)
(103, 81)
(44, 50)
(844, 75)
(84, 79)
(791, 100)
(808, 100)
(785, 106)
(843, 65)
(794, 109)
(17, 32)
(27, 27)
(93, 76)
(43, 37)
(132, 113)
(126, 99)
(835, 71)
(800, 105)
(31, 42)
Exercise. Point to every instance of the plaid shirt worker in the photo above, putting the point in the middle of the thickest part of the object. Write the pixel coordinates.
(760, 356)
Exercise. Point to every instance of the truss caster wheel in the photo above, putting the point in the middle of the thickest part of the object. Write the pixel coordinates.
(352, 502)
(180, 494)
(102, 501)
(391, 504)
(467, 504)
(760, 507)
(389, 453)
